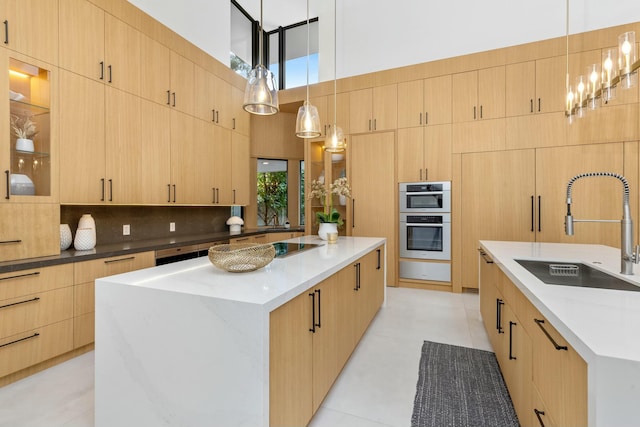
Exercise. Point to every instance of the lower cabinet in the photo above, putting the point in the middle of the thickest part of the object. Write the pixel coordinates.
(313, 335)
(36, 316)
(84, 275)
(546, 378)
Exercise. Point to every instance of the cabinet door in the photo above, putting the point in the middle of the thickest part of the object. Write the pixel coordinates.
(592, 197)
(437, 100)
(464, 96)
(241, 120)
(498, 205)
(437, 153)
(23, 16)
(82, 38)
(182, 88)
(29, 230)
(156, 70)
(155, 149)
(373, 189)
(290, 360)
(240, 169)
(122, 55)
(371, 284)
(385, 107)
(550, 83)
(410, 154)
(222, 103)
(184, 178)
(491, 92)
(489, 298)
(204, 96)
(201, 163)
(342, 116)
(82, 139)
(123, 147)
(520, 88)
(410, 104)
(222, 167)
(326, 120)
(360, 111)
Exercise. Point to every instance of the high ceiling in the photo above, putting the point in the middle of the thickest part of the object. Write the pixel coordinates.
(276, 13)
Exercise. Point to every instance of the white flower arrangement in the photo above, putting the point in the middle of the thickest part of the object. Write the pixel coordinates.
(23, 127)
(341, 187)
(318, 191)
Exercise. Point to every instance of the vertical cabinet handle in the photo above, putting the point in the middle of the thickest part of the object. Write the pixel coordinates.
(313, 312)
(234, 196)
(375, 124)
(169, 196)
(213, 191)
(511, 325)
(558, 347)
(539, 104)
(369, 124)
(110, 74)
(102, 185)
(474, 112)
(420, 174)
(174, 193)
(499, 304)
(539, 213)
(173, 94)
(531, 105)
(110, 190)
(101, 70)
(353, 213)
(532, 214)
(213, 118)
(420, 118)
(218, 116)
(538, 415)
(6, 31)
(379, 251)
(234, 124)
(168, 97)
(8, 196)
(481, 111)
(426, 117)
(319, 324)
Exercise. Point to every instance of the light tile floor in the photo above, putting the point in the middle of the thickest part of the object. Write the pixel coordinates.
(376, 387)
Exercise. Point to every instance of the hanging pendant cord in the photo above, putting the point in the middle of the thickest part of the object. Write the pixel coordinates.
(567, 46)
(307, 51)
(260, 53)
(335, 56)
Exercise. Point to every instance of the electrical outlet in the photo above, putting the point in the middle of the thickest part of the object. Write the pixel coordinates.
(126, 230)
(172, 226)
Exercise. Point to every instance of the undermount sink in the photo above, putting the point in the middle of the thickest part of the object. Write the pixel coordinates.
(575, 274)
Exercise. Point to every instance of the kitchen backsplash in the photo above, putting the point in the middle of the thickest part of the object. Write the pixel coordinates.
(147, 222)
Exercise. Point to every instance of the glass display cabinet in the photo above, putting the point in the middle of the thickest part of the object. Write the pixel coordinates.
(324, 167)
(28, 172)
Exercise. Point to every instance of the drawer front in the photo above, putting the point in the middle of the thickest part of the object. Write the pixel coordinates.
(84, 329)
(84, 298)
(26, 349)
(29, 231)
(32, 311)
(88, 271)
(29, 282)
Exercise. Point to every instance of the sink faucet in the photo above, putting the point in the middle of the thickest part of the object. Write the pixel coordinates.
(274, 219)
(628, 256)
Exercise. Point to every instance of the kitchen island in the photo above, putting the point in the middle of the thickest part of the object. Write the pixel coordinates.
(601, 325)
(187, 344)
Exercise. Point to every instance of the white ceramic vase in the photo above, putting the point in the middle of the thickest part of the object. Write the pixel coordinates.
(85, 239)
(325, 228)
(23, 144)
(343, 200)
(65, 237)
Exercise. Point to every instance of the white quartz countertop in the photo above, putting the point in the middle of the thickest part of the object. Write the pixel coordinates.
(271, 286)
(596, 322)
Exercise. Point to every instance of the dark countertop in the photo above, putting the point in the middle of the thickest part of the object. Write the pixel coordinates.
(124, 248)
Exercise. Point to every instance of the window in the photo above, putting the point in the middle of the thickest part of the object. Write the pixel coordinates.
(241, 40)
(272, 192)
(295, 55)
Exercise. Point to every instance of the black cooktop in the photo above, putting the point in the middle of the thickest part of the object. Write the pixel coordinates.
(284, 249)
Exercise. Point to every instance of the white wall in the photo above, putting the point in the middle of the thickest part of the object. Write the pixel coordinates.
(205, 23)
(375, 35)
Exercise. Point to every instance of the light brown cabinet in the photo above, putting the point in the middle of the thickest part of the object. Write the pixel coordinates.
(478, 95)
(241, 121)
(424, 153)
(374, 109)
(20, 17)
(326, 106)
(546, 378)
(312, 336)
(36, 316)
(240, 167)
(535, 87)
(29, 230)
(213, 98)
(424, 102)
(373, 189)
(522, 197)
(84, 275)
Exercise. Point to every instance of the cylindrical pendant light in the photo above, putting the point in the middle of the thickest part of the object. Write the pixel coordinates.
(335, 139)
(261, 93)
(626, 59)
(308, 120)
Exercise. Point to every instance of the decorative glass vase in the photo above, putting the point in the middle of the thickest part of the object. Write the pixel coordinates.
(325, 228)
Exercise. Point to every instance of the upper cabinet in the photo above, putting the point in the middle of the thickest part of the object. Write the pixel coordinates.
(374, 109)
(29, 162)
(479, 94)
(213, 99)
(326, 106)
(241, 120)
(535, 86)
(424, 102)
(31, 28)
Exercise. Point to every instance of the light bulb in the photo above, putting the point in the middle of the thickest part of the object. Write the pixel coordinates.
(626, 47)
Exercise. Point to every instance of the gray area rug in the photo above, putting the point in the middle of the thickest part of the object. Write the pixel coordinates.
(460, 386)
